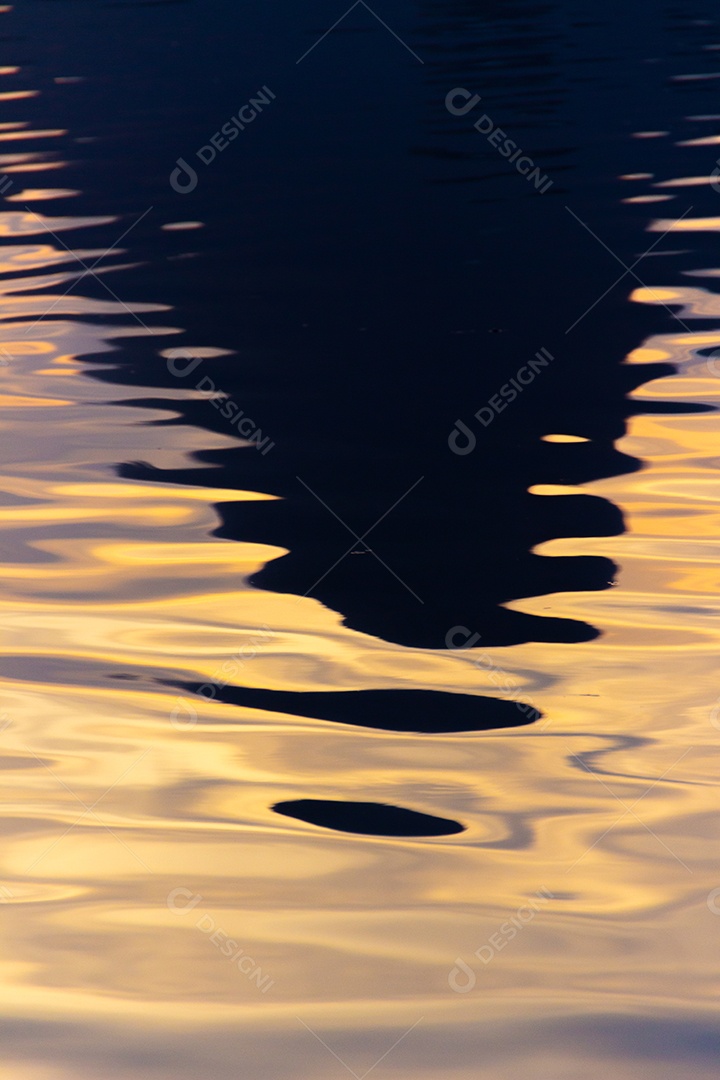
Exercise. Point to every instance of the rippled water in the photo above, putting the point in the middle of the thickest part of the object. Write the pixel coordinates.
(444, 805)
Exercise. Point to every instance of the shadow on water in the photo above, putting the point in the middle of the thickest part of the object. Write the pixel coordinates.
(419, 711)
(374, 819)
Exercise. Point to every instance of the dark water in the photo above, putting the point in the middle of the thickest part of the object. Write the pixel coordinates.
(378, 272)
(338, 376)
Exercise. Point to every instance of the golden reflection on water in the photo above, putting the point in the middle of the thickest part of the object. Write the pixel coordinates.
(118, 797)
(137, 593)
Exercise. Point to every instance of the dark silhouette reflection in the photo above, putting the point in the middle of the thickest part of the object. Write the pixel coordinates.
(403, 296)
(458, 545)
(420, 711)
(380, 273)
(370, 819)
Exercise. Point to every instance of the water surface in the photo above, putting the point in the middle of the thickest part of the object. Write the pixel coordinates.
(326, 748)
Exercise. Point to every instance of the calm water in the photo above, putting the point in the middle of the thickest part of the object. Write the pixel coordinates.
(360, 527)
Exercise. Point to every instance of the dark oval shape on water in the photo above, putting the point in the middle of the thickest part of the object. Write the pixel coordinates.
(370, 819)
(430, 712)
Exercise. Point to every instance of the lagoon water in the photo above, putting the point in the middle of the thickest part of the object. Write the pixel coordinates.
(360, 527)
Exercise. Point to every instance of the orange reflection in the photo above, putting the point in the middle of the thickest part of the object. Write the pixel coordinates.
(17, 95)
(664, 225)
(48, 133)
(41, 194)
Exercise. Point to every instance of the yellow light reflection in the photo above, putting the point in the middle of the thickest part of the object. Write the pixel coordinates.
(686, 181)
(47, 133)
(564, 438)
(665, 225)
(647, 199)
(18, 95)
(41, 194)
